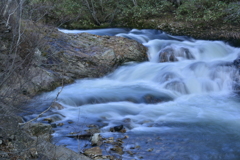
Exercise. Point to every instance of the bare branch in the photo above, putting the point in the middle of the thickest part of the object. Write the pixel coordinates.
(44, 110)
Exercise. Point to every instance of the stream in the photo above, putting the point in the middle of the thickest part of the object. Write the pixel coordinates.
(183, 108)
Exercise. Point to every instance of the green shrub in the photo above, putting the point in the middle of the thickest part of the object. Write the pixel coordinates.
(233, 13)
(129, 13)
(201, 10)
(143, 11)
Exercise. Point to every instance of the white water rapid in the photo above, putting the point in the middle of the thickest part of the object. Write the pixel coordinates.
(182, 108)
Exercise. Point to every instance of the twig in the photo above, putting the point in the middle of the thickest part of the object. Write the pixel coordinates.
(45, 110)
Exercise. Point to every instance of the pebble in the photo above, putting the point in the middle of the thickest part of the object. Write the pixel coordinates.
(125, 137)
(118, 150)
(49, 120)
(96, 140)
(111, 138)
(95, 151)
(70, 122)
(57, 106)
(60, 124)
(150, 150)
(118, 128)
(130, 152)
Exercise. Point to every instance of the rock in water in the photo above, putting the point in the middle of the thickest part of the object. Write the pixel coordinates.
(93, 152)
(236, 62)
(96, 139)
(118, 128)
(167, 55)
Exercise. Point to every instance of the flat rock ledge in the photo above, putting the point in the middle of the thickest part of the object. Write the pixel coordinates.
(59, 59)
(62, 58)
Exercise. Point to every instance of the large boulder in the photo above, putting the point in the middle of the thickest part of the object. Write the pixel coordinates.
(62, 58)
(86, 55)
(170, 54)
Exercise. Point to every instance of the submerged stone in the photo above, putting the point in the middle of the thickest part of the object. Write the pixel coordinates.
(93, 152)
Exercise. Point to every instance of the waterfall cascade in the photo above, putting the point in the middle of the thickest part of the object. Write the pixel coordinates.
(182, 98)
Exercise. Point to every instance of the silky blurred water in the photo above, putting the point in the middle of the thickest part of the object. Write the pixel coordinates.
(186, 109)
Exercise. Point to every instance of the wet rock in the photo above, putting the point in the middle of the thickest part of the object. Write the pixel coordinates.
(64, 58)
(152, 99)
(93, 152)
(150, 150)
(80, 136)
(236, 86)
(70, 122)
(107, 157)
(119, 128)
(167, 55)
(236, 62)
(109, 140)
(120, 141)
(49, 120)
(87, 55)
(57, 106)
(60, 124)
(185, 53)
(123, 130)
(96, 140)
(118, 150)
(93, 129)
(53, 118)
(127, 120)
(130, 152)
(178, 86)
(170, 55)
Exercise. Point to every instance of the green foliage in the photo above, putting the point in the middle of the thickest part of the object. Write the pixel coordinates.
(147, 11)
(233, 13)
(201, 10)
(129, 13)
(135, 15)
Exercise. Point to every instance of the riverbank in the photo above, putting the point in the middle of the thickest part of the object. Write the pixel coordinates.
(201, 19)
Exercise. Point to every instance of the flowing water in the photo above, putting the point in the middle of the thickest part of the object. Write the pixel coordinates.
(182, 109)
